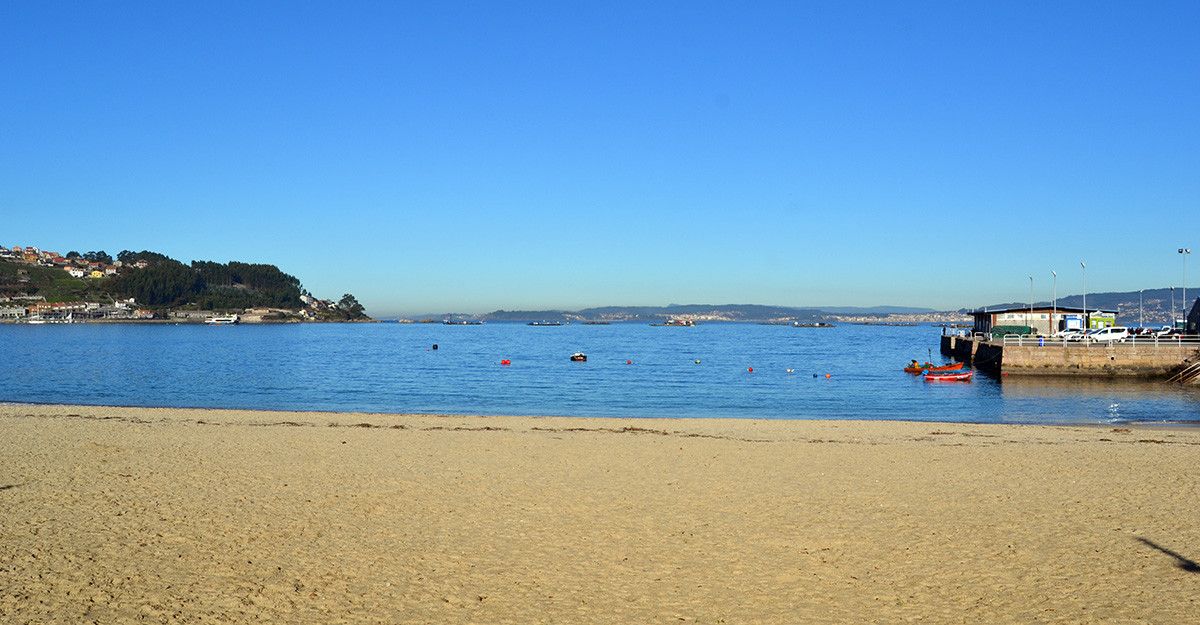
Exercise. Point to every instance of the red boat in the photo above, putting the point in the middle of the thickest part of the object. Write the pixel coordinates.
(948, 376)
(929, 367)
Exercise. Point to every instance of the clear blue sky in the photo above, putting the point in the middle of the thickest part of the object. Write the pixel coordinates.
(471, 156)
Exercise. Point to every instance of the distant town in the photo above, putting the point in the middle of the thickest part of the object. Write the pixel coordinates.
(43, 286)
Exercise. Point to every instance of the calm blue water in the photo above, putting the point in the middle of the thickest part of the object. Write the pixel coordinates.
(391, 368)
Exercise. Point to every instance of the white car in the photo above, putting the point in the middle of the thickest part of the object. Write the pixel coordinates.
(1112, 334)
(1070, 335)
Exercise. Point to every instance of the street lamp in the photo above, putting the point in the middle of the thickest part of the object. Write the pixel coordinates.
(1030, 323)
(1184, 251)
(1172, 308)
(1086, 321)
(1053, 302)
(1141, 316)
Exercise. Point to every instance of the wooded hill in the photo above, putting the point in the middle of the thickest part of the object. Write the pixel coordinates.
(164, 282)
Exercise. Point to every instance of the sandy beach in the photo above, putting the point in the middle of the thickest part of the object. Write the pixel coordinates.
(111, 515)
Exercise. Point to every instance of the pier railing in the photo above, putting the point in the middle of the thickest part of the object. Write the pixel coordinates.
(1176, 341)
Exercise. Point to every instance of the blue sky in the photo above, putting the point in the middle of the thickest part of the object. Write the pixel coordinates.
(472, 156)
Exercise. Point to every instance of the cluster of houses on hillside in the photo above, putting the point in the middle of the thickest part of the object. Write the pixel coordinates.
(35, 308)
(78, 266)
(27, 307)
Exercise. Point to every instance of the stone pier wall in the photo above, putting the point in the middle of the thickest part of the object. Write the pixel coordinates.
(1117, 360)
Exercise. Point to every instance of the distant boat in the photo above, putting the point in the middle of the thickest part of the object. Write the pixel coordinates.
(817, 324)
(683, 323)
(222, 320)
(579, 357)
(545, 323)
(451, 322)
(597, 323)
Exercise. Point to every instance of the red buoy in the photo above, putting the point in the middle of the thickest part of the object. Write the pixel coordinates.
(506, 362)
(749, 369)
(629, 362)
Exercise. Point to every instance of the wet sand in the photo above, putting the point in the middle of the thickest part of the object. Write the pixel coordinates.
(113, 515)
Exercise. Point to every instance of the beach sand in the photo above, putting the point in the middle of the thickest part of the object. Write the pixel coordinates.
(112, 515)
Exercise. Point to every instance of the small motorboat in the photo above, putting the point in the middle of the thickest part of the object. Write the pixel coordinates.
(948, 376)
(929, 366)
(579, 357)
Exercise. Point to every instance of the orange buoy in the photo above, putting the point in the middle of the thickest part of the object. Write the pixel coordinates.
(506, 362)
(827, 376)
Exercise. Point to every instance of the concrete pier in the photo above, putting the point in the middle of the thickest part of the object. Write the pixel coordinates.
(1130, 360)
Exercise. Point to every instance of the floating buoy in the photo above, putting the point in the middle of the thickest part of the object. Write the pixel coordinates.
(827, 376)
(814, 375)
(697, 361)
(629, 362)
(749, 369)
(506, 362)
(435, 346)
(791, 371)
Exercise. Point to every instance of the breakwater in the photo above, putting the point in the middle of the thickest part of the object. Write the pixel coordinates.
(1150, 360)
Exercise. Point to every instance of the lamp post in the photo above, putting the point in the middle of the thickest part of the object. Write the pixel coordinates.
(1053, 302)
(1086, 324)
(1141, 317)
(1184, 251)
(1030, 322)
(1172, 308)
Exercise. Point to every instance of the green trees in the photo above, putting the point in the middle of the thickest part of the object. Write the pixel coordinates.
(128, 257)
(350, 306)
(162, 284)
(165, 282)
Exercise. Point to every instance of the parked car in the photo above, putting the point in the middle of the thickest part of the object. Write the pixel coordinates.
(1070, 335)
(1165, 331)
(1111, 334)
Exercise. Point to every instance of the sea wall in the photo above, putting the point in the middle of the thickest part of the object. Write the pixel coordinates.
(1117, 360)
(1121, 360)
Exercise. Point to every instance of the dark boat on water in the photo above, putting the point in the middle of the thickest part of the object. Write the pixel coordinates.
(544, 323)
(579, 357)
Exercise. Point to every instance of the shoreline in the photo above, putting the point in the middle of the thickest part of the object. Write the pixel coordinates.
(152, 410)
(201, 515)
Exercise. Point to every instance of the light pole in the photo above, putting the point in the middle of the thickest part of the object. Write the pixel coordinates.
(1086, 322)
(1172, 308)
(1053, 302)
(1184, 251)
(1141, 317)
(1030, 322)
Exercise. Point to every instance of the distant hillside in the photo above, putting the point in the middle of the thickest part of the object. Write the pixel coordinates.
(1155, 304)
(875, 310)
(158, 281)
(714, 312)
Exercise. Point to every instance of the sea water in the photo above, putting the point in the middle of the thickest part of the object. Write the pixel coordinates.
(633, 370)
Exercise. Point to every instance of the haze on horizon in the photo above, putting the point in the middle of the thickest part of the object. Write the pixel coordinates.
(469, 157)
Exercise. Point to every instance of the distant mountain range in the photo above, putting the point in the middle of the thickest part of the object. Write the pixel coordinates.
(712, 312)
(1155, 304)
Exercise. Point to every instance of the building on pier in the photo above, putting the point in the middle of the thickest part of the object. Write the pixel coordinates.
(1045, 320)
